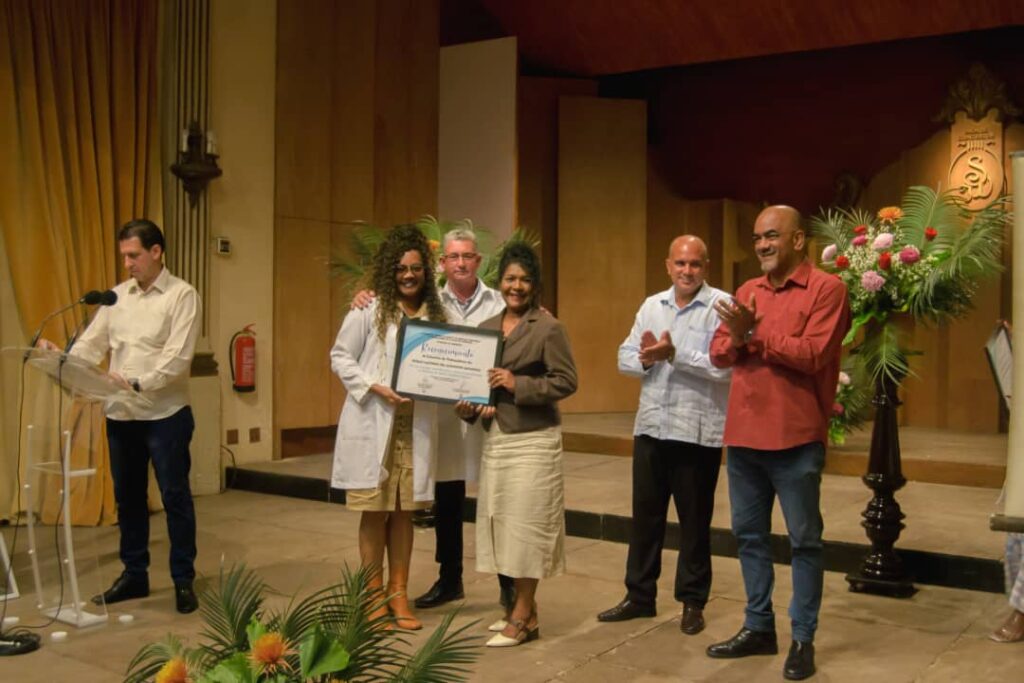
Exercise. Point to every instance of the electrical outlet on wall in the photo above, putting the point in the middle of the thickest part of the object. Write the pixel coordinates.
(231, 437)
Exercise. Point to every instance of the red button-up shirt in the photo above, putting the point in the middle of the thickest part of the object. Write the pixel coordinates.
(784, 379)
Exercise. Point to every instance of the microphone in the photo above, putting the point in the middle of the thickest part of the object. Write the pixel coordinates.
(107, 298)
(90, 298)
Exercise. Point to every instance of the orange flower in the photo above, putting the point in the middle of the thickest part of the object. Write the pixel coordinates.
(890, 213)
(269, 652)
(434, 245)
(173, 671)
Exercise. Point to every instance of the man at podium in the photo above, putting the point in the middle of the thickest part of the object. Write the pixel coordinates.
(150, 334)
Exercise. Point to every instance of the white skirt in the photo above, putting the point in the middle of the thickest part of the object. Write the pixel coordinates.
(520, 509)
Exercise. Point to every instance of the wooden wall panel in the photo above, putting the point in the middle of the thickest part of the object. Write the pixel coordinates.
(302, 324)
(352, 112)
(602, 224)
(356, 139)
(405, 102)
(537, 178)
(303, 113)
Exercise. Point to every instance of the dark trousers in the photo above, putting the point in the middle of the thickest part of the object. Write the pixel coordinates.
(449, 500)
(133, 444)
(688, 473)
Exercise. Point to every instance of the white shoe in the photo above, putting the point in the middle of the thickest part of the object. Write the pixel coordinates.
(523, 635)
(498, 626)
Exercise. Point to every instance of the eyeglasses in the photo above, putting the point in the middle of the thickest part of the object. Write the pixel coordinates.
(468, 256)
(416, 268)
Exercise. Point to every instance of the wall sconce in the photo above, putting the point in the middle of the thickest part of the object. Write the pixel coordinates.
(197, 161)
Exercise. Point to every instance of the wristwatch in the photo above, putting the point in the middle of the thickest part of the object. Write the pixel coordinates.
(135, 385)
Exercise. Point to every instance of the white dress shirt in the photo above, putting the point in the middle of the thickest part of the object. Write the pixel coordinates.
(460, 443)
(151, 336)
(685, 400)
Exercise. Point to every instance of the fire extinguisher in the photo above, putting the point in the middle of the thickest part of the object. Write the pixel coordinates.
(242, 356)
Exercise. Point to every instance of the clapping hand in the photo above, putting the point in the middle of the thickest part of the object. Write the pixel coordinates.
(653, 350)
(738, 318)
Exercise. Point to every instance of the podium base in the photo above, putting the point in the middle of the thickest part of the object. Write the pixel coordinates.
(75, 617)
(890, 588)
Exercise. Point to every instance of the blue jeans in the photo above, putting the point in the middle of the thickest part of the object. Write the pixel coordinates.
(755, 478)
(133, 443)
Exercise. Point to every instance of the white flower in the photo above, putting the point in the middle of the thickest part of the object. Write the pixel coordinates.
(844, 379)
(829, 253)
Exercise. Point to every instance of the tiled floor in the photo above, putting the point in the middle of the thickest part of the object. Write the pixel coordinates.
(297, 545)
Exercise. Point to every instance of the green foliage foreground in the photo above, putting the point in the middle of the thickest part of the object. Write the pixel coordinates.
(327, 636)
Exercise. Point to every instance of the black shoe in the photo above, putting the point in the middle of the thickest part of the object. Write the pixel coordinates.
(692, 621)
(625, 610)
(185, 598)
(745, 643)
(125, 587)
(439, 594)
(799, 662)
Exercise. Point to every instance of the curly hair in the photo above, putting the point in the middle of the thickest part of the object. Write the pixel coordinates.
(525, 257)
(389, 255)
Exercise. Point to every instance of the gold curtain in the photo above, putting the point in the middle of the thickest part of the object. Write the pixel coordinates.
(79, 146)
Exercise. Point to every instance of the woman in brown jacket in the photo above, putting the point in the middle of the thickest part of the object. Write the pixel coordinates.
(520, 514)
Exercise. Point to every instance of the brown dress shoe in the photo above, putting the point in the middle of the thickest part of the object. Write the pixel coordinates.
(1011, 630)
(692, 621)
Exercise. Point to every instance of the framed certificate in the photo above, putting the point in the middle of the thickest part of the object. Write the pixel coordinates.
(445, 363)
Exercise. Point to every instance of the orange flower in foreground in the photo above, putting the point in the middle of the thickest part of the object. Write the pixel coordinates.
(269, 651)
(890, 213)
(173, 671)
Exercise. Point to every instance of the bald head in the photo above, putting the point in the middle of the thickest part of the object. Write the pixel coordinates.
(779, 241)
(686, 264)
(692, 241)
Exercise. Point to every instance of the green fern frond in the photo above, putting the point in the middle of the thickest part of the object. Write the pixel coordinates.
(444, 657)
(228, 609)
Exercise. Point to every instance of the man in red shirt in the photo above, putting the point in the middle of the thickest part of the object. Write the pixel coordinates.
(781, 335)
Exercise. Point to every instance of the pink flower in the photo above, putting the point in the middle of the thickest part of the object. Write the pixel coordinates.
(860, 240)
(860, 230)
(910, 255)
(829, 253)
(842, 263)
(885, 260)
(838, 409)
(882, 242)
(872, 281)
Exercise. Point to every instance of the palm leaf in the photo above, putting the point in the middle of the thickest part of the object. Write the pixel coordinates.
(831, 228)
(444, 657)
(883, 356)
(229, 608)
(488, 272)
(151, 658)
(924, 208)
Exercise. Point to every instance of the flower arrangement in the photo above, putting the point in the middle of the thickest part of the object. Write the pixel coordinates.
(922, 259)
(350, 264)
(328, 636)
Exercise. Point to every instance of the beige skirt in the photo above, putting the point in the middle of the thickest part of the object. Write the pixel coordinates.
(520, 510)
(398, 486)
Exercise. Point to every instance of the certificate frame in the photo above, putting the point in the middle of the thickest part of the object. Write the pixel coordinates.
(452, 368)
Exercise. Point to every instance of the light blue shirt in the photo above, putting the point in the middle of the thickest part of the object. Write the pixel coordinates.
(685, 400)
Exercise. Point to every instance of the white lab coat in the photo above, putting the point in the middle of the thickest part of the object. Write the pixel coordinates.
(361, 359)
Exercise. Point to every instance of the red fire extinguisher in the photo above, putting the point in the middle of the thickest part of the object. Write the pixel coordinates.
(242, 356)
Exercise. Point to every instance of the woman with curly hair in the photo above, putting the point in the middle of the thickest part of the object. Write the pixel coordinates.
(384, 453)
(520, 510)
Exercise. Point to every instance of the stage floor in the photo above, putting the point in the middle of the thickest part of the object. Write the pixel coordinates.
(299, 546)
